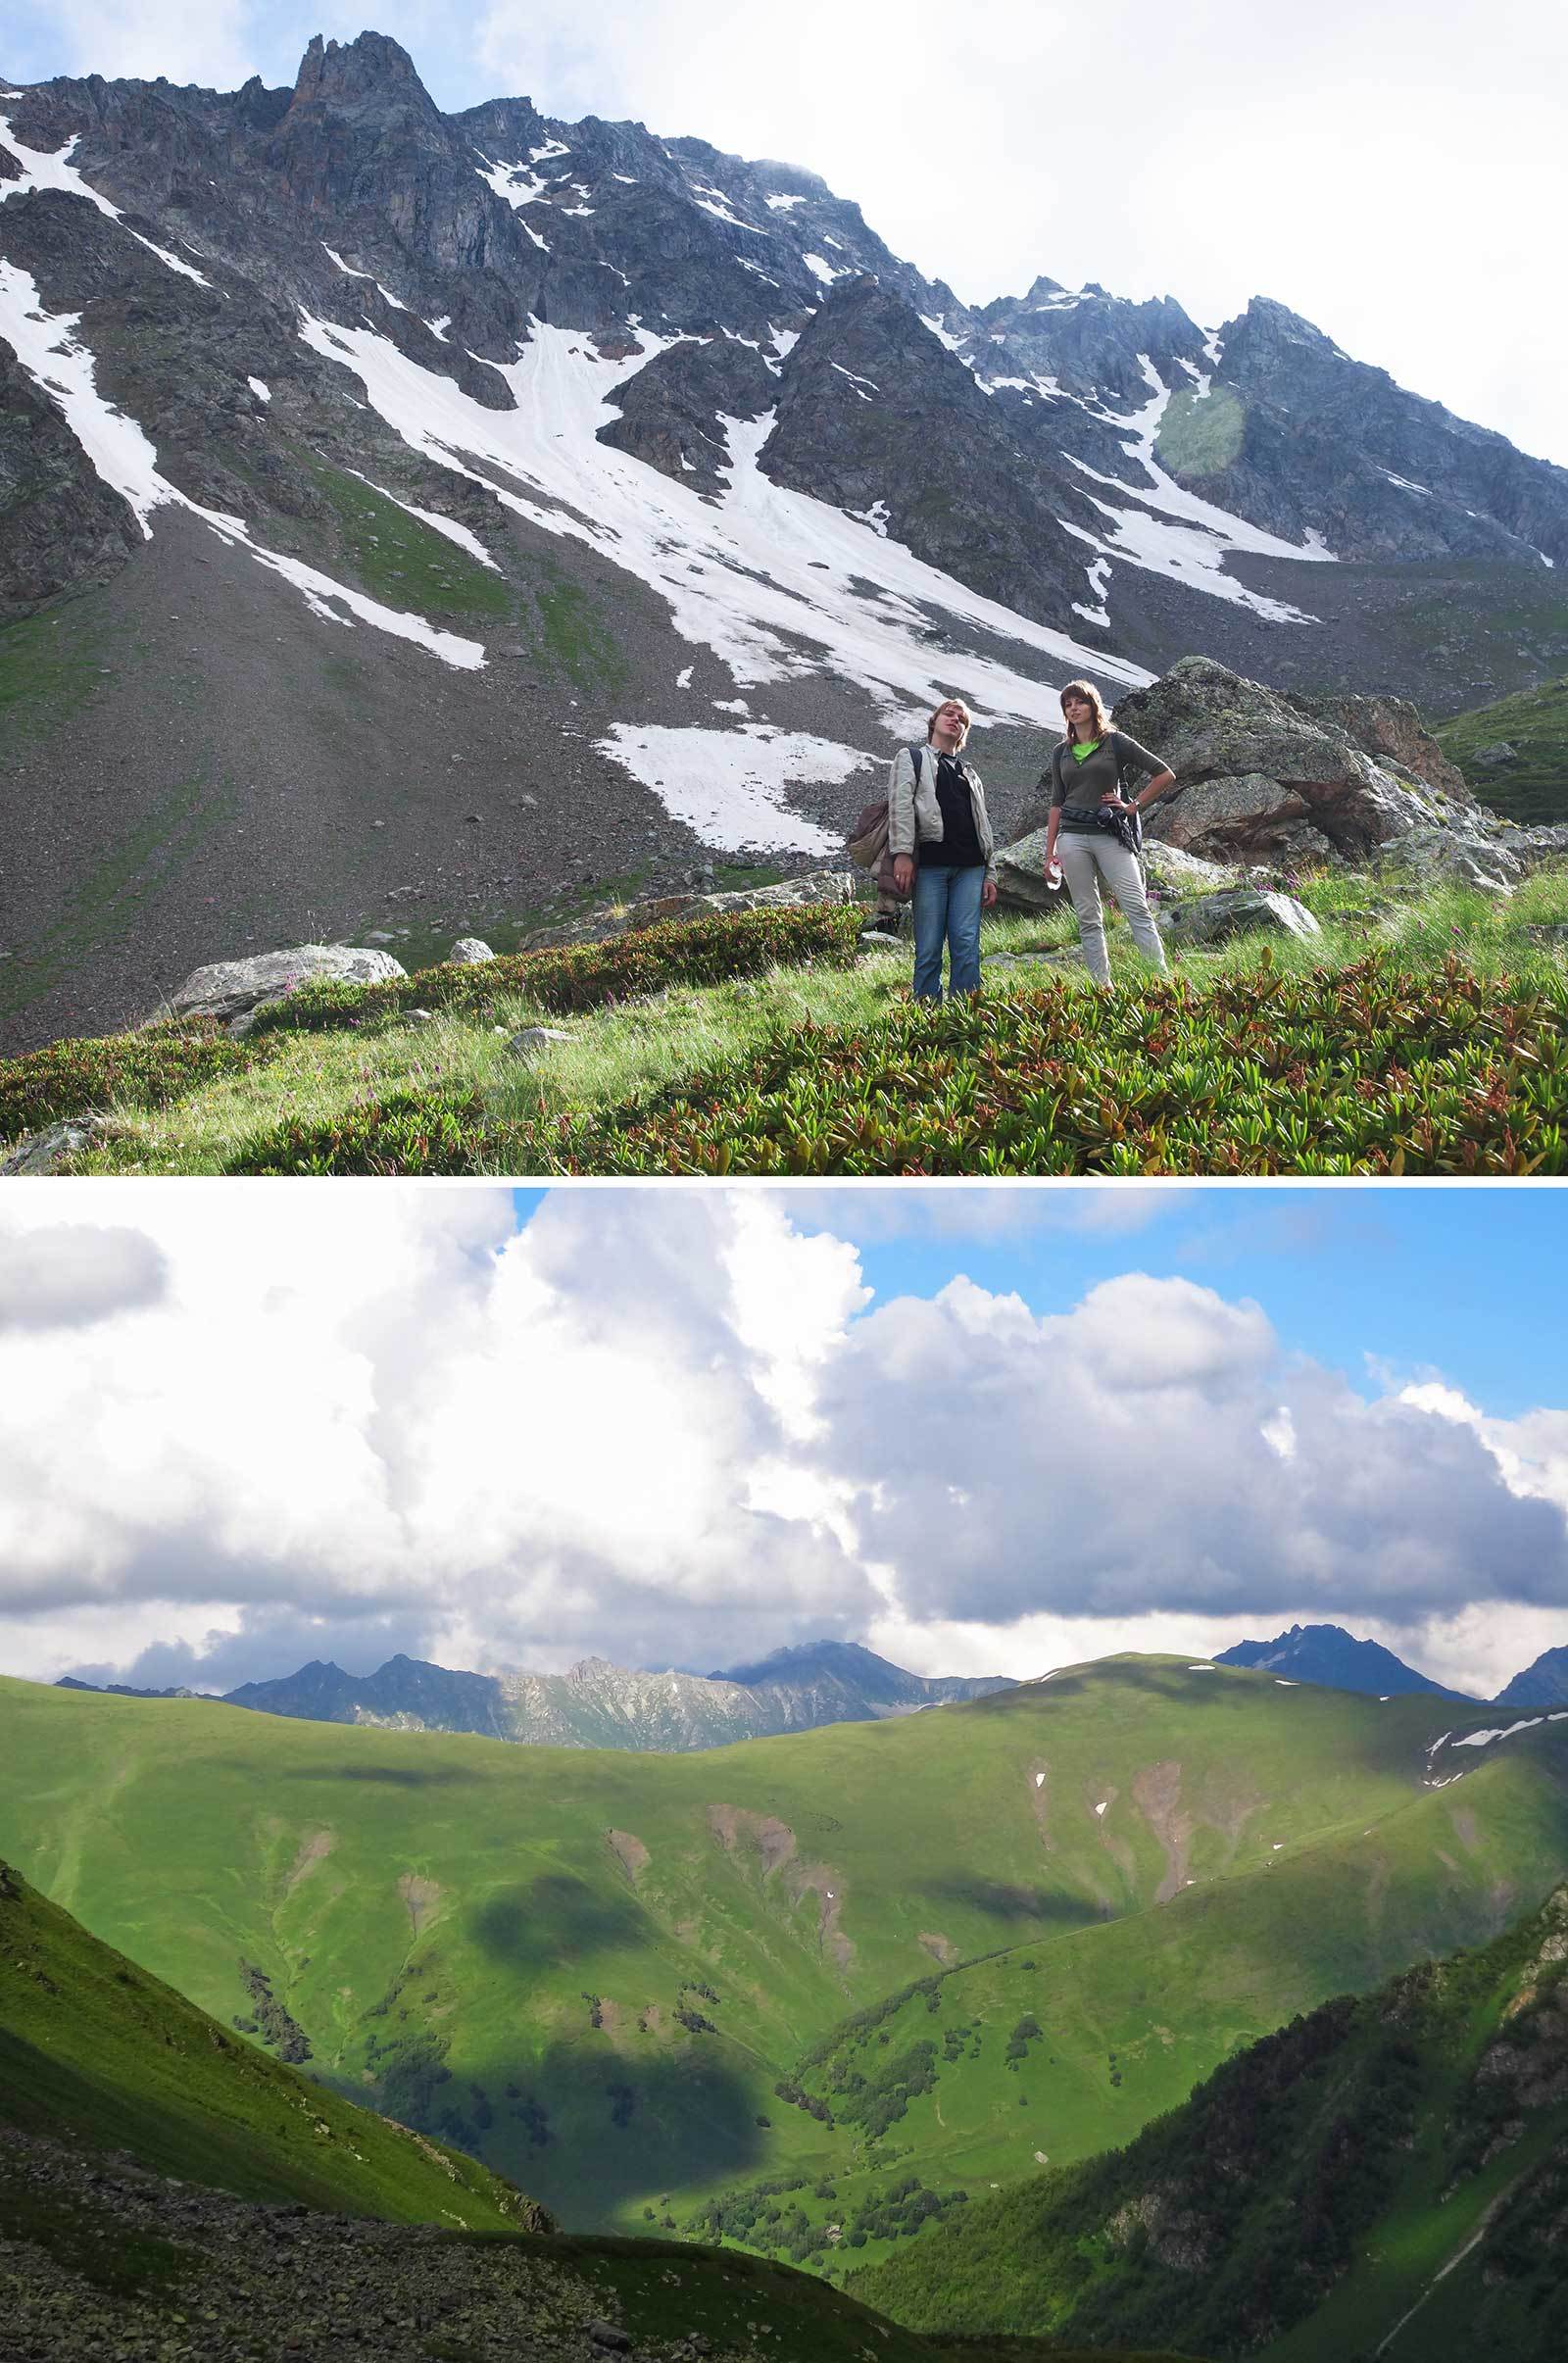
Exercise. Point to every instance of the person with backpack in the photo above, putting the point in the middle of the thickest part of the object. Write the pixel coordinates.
(1094, 832)
(941, 846)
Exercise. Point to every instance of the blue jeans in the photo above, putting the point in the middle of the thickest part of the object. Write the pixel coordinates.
(946, 906)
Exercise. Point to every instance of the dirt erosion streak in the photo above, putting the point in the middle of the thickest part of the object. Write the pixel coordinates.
(740, 1832)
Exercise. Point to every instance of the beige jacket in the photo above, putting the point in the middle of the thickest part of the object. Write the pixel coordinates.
(914, 816)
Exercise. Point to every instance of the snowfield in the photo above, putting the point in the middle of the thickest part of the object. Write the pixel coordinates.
(728, 785)
(762, 576)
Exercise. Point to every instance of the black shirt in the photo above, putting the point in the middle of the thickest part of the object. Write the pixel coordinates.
(958, 847)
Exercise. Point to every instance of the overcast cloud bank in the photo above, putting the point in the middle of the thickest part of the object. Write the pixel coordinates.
(672, 1427)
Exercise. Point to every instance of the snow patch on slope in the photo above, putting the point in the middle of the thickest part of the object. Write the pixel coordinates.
(49, 351)
(728, 785)
(1173, 531)
(462, 535)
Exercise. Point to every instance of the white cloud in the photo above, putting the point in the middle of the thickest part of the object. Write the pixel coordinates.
(1118, 1464)
(70, 1274)
(668, 1425)
(372, 1403)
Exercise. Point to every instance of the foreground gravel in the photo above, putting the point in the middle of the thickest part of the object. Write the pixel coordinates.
(222, 2278)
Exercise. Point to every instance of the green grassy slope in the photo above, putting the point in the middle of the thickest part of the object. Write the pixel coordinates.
(95, 2050)
(1387, 2176)
(594, 1969)
(1421, 1031)
(1534, 723)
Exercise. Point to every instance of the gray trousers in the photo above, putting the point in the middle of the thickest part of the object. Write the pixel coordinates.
(1087, 857)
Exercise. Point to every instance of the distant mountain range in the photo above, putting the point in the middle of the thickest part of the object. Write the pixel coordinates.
(596, 1704)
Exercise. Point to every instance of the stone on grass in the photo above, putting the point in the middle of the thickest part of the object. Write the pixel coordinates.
(1499, 752)
(232, 987)
(605, 2333)
(42, 1152)
(1214, 919)
(1170, 867)
(469, 951)
(1021, 874)
(534, 1040)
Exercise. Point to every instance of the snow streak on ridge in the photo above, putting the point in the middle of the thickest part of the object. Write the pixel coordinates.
(124, 457)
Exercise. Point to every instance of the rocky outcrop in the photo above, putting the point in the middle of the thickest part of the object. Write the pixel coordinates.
(875, 416)
(671, 413)
(233, 988)
(1263, 776)
(1310, 440)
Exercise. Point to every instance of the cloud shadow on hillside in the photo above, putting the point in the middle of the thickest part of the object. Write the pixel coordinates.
(690, 2122)
(556, 1920)
(1040, 1906)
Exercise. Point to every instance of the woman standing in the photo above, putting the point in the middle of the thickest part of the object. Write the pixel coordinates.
(940, 838)
(1086, 777)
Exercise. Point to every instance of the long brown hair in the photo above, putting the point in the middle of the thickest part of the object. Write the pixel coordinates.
(1086, 689)
(968, 720)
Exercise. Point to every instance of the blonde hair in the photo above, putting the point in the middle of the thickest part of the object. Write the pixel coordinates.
(1086, 689)
(963, 709)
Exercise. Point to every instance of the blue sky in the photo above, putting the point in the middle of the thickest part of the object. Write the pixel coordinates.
(1371, 169)
(1471, 1281)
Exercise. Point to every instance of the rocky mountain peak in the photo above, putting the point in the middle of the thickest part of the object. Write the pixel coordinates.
(371, 77)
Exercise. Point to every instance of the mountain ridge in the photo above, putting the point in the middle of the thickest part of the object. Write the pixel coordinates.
(596, 1704)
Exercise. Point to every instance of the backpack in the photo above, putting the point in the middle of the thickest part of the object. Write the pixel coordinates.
(869, 845)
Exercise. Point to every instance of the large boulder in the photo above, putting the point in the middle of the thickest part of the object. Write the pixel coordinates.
(1212, 919)
(232, 987)
(1021, 874)
(1265, 777)
(1021, 883)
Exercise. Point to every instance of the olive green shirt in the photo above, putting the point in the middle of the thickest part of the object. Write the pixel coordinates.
(1082, 784)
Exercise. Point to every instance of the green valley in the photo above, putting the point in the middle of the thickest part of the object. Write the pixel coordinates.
(298, 2223)
(862, 1964)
